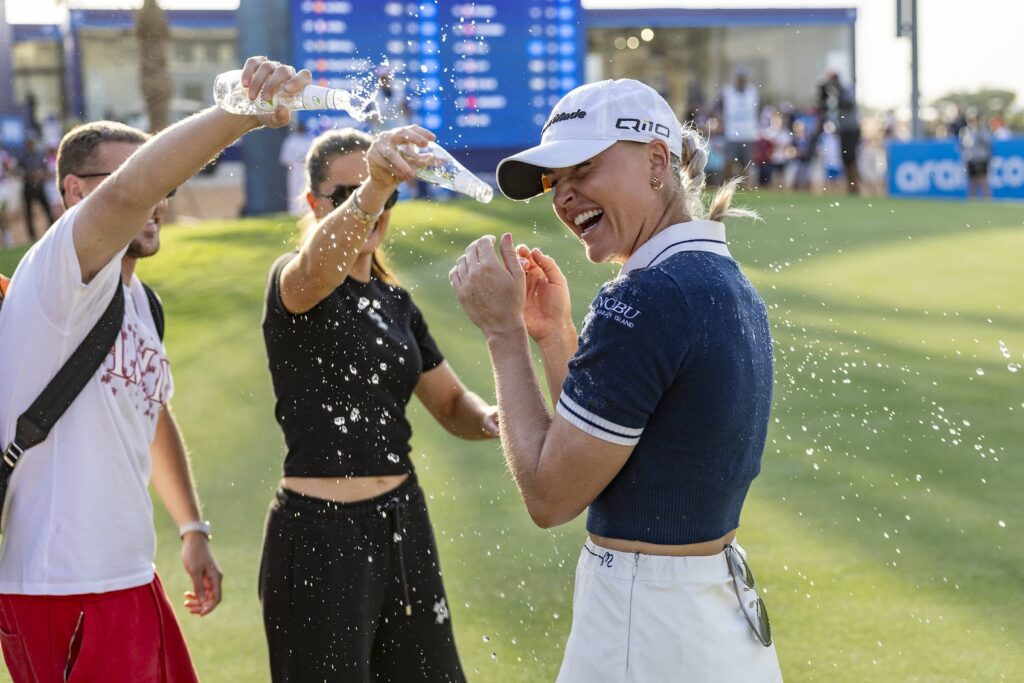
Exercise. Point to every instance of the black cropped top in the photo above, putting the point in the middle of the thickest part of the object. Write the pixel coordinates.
(343, 373)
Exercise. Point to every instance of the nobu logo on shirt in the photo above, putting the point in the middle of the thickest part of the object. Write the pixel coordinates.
(619, 311)
(643, 126)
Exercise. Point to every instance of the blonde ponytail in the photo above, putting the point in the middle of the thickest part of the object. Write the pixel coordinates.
(692, 179)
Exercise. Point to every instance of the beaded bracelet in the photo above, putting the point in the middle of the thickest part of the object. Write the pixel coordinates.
(361, 215)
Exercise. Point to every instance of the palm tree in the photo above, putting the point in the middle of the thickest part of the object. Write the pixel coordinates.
(153, 34)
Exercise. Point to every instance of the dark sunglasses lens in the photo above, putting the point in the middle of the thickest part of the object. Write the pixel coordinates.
(738, 567)
(392, 200)
(341, 193)
(764, 627)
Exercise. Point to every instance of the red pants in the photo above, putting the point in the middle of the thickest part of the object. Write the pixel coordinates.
(125, 636)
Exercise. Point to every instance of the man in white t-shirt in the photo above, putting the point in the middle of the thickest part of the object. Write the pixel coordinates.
(79, 597)
(739, 108)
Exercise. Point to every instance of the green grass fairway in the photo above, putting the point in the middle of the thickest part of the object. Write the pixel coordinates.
(887, 526)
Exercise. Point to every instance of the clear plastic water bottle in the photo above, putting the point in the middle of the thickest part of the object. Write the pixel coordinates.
(230, 95)
(442, 169)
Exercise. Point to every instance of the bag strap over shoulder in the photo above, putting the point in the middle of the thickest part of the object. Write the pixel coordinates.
(156, 307)
(34, 425)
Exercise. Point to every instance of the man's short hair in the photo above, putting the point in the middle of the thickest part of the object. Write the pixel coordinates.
(79, 145)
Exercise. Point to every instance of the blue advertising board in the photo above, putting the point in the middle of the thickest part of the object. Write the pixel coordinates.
(1006, 170)
(932, 168)
(12, 131)
(480, 74)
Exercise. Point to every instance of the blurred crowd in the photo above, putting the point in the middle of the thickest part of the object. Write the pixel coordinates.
(823, 148)
(826, 147)
(28, 187)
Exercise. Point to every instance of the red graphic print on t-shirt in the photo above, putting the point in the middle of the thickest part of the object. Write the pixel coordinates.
(142, 368)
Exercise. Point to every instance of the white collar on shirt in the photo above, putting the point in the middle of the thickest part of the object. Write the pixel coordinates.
(689, 236)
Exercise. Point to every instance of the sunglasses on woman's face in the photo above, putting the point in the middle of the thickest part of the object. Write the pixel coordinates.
(343, 192)
(751, 603)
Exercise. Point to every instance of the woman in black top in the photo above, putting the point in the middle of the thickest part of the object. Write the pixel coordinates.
(349, 581)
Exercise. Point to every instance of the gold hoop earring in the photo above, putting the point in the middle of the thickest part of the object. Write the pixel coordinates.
(657, 184)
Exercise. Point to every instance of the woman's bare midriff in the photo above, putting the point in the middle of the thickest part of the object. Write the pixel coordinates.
(688, 550)
(344, 489)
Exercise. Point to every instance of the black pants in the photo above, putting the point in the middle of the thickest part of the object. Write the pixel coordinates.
(353, 591)
(35, 194)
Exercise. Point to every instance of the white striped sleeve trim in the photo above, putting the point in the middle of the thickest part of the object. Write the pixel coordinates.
(596, 425)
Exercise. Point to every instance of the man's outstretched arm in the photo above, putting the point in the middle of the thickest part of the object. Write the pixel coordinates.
(115, 212)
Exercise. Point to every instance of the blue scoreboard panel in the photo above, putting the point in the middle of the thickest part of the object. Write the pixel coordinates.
(479, 74)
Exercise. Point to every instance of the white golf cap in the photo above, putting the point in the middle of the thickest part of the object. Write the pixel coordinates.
(584, 123)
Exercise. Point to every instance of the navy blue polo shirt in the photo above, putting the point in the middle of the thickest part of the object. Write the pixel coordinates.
(675, 359)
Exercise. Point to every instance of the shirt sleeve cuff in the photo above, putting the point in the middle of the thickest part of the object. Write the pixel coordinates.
(595, 425)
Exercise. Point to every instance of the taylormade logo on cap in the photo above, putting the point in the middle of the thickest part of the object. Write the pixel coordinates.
(563, 116)
(614, 110)
(584, 123)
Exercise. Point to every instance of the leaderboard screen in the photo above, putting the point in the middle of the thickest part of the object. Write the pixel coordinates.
(479, 74)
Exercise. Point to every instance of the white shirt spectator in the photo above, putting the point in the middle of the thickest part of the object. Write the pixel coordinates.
(293, 157)
(740, 113)
(78, 516)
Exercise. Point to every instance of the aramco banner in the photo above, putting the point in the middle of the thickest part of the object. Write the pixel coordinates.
(935, 168)
(932, 168)
(1006, 170)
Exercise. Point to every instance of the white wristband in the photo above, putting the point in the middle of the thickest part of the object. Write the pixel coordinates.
(197, 526)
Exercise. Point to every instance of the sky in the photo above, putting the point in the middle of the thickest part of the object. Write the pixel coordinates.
(959, 49)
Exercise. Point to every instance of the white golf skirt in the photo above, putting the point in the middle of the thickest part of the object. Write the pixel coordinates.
(652, 619)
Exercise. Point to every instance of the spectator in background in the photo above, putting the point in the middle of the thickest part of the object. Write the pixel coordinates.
(837, 105)
(762, 157)
(8, 196)
(31, 118)
(889, 125)
(53, 131)
(1000, 131)
(50, 184)
(739, 108)
(694, 99)
(716, 152)
(782, 149)
(976, 148)
(34, 173)
(293, 158)
(830, 156)
(798, 173)
(956, 119)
